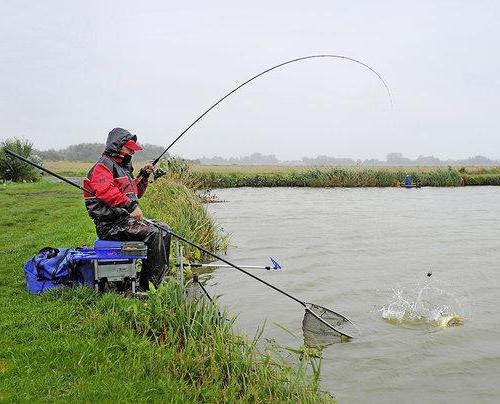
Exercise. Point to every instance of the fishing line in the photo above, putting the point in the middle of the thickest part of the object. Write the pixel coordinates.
(265, 72)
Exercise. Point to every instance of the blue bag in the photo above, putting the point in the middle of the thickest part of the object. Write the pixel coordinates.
(84, 273)
(53, 267)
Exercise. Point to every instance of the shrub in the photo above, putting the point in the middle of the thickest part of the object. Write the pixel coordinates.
(12, 169)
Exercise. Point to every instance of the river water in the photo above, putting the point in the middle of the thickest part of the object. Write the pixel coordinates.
(351, 250)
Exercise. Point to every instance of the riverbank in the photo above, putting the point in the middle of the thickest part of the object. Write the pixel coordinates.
(210, 176)
(75, 345)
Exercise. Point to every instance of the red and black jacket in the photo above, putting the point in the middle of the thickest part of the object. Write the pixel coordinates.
(111, 180)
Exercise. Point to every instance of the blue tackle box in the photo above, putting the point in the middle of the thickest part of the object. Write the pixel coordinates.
(114, 261)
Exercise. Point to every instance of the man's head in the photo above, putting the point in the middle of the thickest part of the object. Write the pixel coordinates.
(130, 147)
(121, 142)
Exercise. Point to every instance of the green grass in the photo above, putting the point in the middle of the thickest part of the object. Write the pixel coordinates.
(481, 179)
(75, 345)
(170, 201)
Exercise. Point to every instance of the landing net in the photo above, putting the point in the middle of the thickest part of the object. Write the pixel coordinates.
(317, 333)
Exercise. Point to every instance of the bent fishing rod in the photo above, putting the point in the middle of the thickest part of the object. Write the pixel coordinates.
(191, 243)
(155, 161)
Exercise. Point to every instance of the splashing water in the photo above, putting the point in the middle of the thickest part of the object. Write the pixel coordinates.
(425, 304)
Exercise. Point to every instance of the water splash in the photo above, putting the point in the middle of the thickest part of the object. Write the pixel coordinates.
(427, 303)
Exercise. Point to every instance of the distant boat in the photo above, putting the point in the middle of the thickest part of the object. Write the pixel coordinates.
(409, 184)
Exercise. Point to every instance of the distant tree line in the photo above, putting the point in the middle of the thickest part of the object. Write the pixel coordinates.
(92, 151)
(392, 159)
(254, 158)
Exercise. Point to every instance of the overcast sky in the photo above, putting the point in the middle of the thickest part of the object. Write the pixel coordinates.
(72, 70)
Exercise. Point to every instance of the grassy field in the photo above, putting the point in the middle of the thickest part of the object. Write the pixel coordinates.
(75, 168)
(75, 345)
(205, 177)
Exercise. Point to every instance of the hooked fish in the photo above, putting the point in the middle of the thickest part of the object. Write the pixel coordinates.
(444, 321)
(450, 321)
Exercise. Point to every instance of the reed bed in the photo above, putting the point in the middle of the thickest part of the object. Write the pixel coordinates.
(325, 177)
(196, 345)
(481, 179)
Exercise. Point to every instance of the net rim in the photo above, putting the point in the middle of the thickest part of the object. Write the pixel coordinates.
(309, 308)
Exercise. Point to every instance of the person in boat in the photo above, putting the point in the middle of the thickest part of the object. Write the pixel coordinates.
(113, 204)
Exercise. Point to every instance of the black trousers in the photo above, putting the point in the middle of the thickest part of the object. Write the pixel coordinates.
(156, 237)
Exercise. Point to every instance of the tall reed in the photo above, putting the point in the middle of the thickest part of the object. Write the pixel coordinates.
(324, 177)
(169, 200)
(198, 347)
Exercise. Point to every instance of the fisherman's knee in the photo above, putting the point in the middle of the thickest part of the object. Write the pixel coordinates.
(164, 229)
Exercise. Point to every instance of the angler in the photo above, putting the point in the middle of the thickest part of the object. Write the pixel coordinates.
(112, 200)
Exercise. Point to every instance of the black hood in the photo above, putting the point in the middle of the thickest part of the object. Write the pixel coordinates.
(116, 139)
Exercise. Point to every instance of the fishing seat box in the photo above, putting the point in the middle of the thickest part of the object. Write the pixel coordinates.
(123, 266)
